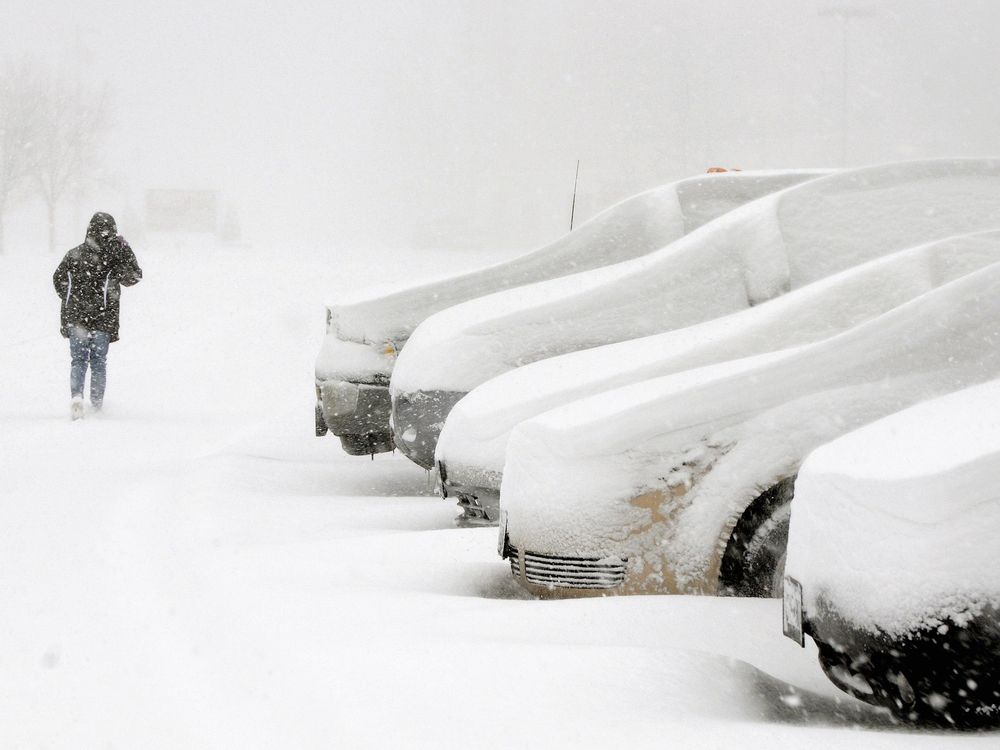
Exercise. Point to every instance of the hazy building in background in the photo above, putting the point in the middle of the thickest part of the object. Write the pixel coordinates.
(178, 217)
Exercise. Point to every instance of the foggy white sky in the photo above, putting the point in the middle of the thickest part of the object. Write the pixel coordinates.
(389, 123)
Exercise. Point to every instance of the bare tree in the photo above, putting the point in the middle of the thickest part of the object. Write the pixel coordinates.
(19, 121)
(67, 145)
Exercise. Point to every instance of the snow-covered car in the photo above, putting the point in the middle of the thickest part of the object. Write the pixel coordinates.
(894, 560)
(364, 337)
(684, 483)
(748, 256)
(472, 447)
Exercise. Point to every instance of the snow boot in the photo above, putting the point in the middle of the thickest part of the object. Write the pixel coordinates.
(76, 408)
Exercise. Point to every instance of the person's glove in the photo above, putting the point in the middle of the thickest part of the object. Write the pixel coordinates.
(129, 272)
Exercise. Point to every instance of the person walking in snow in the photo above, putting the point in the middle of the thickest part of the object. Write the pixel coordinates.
(89, 281)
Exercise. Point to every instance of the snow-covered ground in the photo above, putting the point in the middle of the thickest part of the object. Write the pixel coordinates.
(193, 569)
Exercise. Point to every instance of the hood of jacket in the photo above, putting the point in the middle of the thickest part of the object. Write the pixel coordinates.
(102, 227)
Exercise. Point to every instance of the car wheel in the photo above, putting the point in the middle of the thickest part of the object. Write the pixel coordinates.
(754, 561)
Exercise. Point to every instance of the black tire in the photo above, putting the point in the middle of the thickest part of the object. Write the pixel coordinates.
(754, 561)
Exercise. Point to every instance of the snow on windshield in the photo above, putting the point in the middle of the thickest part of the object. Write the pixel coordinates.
(634, 227)
(744, 258)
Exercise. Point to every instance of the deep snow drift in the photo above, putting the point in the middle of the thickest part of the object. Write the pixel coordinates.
(195, 570)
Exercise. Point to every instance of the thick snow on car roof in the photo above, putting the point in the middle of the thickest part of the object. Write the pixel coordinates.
(752, 254)
(473, 442)
(634, 227)
(897, 524)
(722, 434)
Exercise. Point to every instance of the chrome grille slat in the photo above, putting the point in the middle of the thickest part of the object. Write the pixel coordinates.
(568, 572)
(536, 573)
(537, 577)
(570, 568)
(560, 584)
(560, 558)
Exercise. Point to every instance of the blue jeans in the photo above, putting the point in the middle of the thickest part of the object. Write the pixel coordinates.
(89, 347)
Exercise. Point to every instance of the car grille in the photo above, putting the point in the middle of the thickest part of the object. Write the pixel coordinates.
(568, 572)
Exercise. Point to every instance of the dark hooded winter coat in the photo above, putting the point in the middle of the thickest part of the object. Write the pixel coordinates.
(90, 278)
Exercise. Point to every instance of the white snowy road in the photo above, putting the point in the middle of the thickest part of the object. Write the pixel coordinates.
(192, 569)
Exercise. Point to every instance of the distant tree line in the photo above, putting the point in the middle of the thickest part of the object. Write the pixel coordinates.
(53, 123)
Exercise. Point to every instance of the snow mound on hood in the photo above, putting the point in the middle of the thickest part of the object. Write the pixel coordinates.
(897, 524)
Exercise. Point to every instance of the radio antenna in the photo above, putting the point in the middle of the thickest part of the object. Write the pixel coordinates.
(572, 211)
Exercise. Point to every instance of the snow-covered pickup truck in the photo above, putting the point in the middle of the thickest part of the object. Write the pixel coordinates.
(684, 484)
(748, 256)
(472, 447)
(894, 560)
(363, 338)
